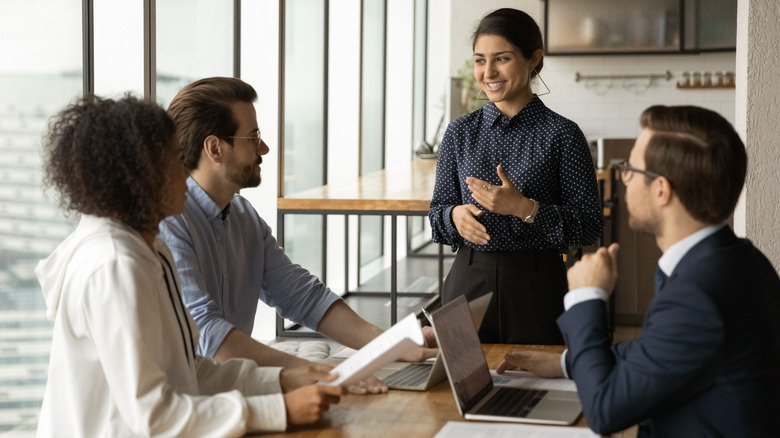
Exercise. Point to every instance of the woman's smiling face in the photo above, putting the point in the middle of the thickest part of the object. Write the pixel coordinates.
(503, 73)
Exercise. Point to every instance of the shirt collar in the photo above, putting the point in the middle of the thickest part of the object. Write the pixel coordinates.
(492, 114)
(676, 252)
(207, 205)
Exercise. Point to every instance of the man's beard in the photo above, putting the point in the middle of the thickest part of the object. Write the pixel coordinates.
(243, 176)
(650, 225)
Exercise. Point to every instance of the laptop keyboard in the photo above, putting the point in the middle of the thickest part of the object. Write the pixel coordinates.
(412, 375)
(511, 402)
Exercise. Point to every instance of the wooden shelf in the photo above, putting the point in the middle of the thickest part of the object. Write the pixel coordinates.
(705, 87)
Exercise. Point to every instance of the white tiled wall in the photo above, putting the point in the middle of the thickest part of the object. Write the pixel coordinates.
(613, 111)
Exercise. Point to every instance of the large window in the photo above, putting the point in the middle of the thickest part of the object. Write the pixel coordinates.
(119, 47)
(418, 228)
(194, 40)
(40, 73)
(372, 125)
(334, 112)
(366, 114)
(305, 123)
(45, 46)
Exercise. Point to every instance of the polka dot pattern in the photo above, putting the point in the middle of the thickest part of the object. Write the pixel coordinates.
(544, 154)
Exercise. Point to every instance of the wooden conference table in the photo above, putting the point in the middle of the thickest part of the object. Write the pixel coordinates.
(400, 413)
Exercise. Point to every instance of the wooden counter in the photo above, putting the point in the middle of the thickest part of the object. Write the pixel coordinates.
(405, 190)
(402, 192)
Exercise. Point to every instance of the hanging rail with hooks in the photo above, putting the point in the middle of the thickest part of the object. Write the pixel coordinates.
(579, 77)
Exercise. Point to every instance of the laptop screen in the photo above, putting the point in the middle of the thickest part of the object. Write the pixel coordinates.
(463, 356)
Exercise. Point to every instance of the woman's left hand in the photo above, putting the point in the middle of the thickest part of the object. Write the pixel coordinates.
(505, 199)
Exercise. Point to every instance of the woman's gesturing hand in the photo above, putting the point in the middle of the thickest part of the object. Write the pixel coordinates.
(465, 219)
(505, 199)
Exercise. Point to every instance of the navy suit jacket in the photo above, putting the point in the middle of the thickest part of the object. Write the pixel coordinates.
(707, 362)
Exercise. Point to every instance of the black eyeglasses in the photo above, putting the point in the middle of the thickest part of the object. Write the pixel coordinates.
(626, 171)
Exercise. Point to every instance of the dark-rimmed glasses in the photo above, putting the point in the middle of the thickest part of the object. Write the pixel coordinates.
(626, 171)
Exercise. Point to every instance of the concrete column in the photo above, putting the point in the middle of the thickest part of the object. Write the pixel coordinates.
(758, 122)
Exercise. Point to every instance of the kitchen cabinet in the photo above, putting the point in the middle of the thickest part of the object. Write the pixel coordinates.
(601, 27)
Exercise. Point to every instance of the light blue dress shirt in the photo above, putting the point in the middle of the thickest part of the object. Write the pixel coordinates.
(226, 265)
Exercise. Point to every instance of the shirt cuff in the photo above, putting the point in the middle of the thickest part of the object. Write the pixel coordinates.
(263, 380)
(563, 363)
(582, 294)
(266, 413)
(551, 223)
(452, 231)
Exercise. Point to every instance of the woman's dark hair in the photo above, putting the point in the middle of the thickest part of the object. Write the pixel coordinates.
(108, 158)
(701, 155)
(515, 26)
(203, 108)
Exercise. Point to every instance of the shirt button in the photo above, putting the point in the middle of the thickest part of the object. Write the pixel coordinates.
(219, 237)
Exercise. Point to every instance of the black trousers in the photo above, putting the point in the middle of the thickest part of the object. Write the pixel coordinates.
(528, 289)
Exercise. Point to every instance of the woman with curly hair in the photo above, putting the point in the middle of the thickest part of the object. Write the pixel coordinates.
(123, 359)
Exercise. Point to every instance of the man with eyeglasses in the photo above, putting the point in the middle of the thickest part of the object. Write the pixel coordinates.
(707, 362)
(226, 256)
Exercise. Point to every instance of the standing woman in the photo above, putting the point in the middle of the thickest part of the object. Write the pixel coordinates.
(515, 188)
(123, 359)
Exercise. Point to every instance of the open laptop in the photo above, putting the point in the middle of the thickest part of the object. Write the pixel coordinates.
(421, 376)
(476, 396)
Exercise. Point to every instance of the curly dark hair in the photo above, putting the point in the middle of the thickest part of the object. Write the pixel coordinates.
(107, 158)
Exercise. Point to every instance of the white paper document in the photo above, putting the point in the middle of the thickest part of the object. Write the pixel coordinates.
(461, 429)
(387, 347)
(344, 353)
(525, 379)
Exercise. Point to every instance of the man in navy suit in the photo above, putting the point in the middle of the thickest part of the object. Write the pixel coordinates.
(707, 362)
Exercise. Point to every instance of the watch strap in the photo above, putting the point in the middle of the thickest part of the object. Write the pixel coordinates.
(532, 215)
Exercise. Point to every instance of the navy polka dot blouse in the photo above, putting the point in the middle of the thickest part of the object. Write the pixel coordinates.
(544, 154)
